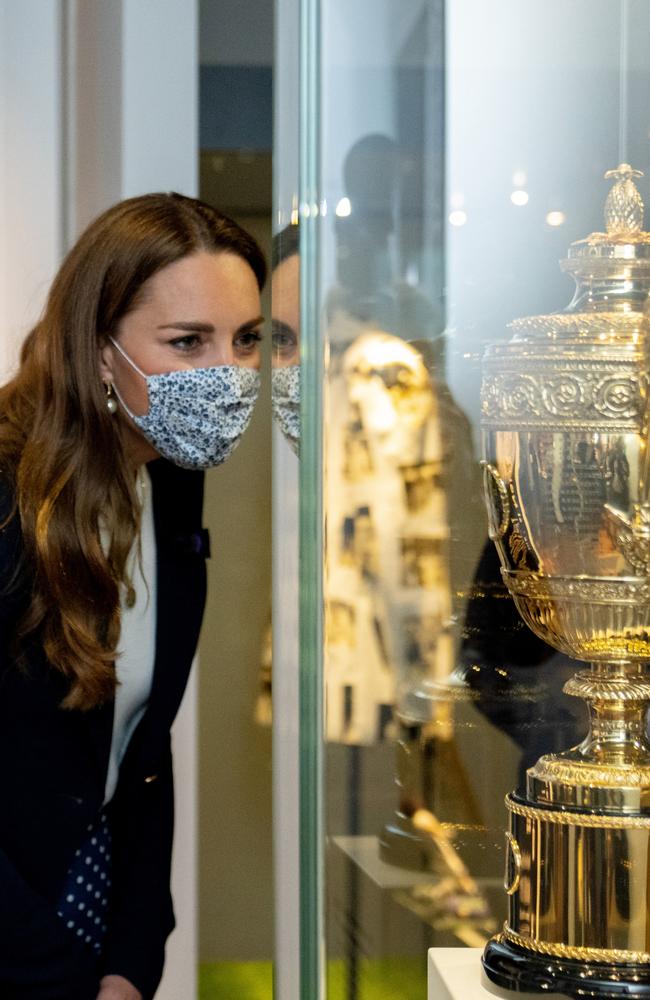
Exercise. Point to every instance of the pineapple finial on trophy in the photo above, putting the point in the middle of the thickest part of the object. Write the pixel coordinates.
(624, 205)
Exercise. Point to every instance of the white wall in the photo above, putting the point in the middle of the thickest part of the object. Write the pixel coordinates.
(30, 166)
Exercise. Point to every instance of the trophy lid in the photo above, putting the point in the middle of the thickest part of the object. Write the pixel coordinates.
(624, 238)
(612, 275)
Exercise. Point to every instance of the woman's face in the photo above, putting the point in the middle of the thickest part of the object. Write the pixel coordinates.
(285, 295)
(199, 312)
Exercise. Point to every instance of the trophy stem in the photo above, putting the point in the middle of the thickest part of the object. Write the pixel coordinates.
(617, 695)
(610, 769)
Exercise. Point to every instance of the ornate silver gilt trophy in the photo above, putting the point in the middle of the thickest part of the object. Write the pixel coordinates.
(567, 477)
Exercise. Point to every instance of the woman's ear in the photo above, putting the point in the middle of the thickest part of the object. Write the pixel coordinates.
(106, 354)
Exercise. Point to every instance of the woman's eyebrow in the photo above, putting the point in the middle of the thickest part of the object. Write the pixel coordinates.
(278, 326)
(251, 324)
(194, 326)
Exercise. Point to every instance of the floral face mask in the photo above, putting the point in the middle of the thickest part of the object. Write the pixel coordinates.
(196, 416)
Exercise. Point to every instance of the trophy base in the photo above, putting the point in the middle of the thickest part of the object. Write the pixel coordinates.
(517, 970)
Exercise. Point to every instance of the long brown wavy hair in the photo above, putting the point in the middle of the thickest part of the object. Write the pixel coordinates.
(62, 452)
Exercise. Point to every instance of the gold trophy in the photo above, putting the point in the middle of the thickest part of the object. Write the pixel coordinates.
(567, 476)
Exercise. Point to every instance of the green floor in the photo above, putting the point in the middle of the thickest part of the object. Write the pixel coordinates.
(388, 979)
(236, 980)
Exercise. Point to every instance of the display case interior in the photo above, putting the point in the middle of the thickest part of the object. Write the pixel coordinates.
(450, 153)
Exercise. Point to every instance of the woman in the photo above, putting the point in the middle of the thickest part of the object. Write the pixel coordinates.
(141, 373)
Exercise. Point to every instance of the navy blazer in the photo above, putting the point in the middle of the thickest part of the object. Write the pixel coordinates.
(53, 767)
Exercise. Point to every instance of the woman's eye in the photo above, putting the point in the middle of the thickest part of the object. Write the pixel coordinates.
(249, 340)
(186, 343)
(283, 342)
(284, 339)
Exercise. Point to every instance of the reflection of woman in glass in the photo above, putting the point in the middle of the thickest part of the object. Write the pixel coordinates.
(148, 347)
(285, 377)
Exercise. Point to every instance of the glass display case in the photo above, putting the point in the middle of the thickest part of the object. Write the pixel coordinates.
(435, 161)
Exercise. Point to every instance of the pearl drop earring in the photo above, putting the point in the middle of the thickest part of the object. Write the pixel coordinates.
(111, 402)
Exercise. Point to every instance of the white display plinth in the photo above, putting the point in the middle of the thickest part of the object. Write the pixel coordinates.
(457, 974)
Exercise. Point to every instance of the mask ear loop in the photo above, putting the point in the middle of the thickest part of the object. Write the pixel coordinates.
(135, 368)
(126, 357)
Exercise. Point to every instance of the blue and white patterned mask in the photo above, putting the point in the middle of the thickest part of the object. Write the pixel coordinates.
(196, 416)
(285, 396)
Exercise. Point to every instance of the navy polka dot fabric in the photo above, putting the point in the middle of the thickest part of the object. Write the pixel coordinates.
(84, 902)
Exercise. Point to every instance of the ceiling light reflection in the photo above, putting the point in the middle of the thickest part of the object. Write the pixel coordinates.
(519, 198)
(457, 217)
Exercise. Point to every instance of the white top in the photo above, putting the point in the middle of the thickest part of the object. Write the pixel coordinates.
(137, 644)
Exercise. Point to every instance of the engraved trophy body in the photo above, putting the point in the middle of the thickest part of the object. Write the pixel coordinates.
(567, 479)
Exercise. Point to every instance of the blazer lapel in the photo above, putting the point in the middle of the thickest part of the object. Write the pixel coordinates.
(182, 546)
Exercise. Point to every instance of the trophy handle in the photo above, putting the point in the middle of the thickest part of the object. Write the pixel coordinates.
(498, 513)
(631, 536)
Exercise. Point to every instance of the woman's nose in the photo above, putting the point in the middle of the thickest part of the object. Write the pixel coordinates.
(223, 354)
